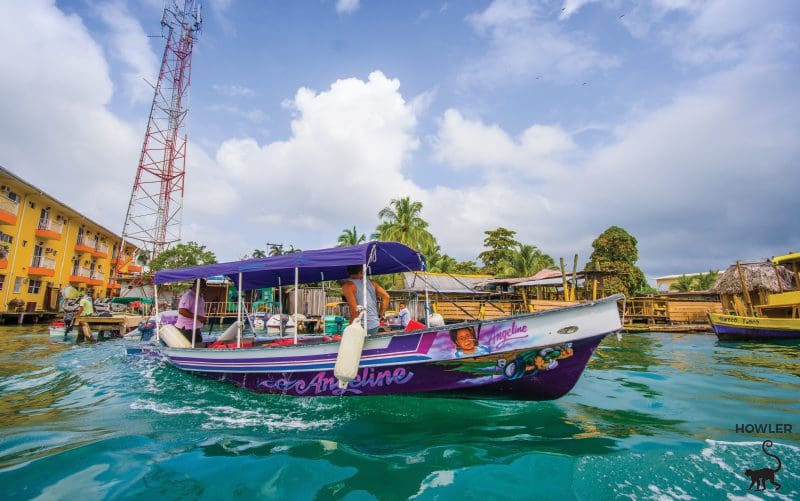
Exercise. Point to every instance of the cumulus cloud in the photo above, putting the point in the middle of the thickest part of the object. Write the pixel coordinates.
(463, 143)
(62, 137)
(342, 163)
(524, 41)
(130, 45)
(347, 6)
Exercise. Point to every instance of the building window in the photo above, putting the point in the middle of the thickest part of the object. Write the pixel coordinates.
(17, 285)
(2, 281)
(34, 286)
(6, 239)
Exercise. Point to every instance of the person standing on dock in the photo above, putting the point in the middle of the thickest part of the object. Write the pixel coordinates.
(186, 314)
(85, 309)
(353, 292)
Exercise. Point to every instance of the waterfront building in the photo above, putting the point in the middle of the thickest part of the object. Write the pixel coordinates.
(46, 245)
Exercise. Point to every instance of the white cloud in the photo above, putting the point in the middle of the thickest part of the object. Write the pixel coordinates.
(347, 6)
(573, 6)
(471, 143)
(343, 162)
(524, 42)
(62, 137)
(129, 44)
(233, 90)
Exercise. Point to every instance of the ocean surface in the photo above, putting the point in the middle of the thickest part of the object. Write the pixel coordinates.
(653, 417)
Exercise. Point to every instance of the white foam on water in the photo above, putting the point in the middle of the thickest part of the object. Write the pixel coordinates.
(328, 445)
(436, 479)
(751, 444)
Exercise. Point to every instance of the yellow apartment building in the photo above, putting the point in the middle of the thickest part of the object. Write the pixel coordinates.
(46, 245)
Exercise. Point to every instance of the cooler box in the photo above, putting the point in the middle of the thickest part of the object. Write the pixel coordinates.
(334, 324)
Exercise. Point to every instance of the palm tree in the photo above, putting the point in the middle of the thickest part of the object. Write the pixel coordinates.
(683, 284)
(258, 253)
(350, 237)
(442, 264)
(526, 260)
(275, 249)
(402, 222)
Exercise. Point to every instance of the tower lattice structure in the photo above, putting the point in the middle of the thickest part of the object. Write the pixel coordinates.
(153, 219)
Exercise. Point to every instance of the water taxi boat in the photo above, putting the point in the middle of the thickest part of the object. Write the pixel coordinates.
(533, 356)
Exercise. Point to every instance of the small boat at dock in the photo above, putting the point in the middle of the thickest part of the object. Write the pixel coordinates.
(532, 356)
(766, 304)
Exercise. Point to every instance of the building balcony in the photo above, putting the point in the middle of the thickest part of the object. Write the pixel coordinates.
(100, 250)
(83, 245)
(42, 266)
(8, 210)
(134, 268)
(49, 229)
(96, 278)
(113, 285)
(80, 276)
(3, 263)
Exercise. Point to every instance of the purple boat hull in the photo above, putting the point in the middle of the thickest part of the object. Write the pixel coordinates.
(512, 375)
(728, 333)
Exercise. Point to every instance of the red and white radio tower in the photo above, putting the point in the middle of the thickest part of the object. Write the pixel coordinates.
(153, 220)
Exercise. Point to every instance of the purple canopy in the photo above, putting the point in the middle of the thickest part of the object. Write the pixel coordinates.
(314, 265)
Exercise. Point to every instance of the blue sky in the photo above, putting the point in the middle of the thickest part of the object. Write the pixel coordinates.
(675, 119)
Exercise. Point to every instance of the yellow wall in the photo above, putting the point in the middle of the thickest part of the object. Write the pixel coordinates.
(58, 253)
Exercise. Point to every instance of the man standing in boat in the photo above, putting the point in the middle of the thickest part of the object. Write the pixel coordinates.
(186, 313)
(353, 292)
(405, 315)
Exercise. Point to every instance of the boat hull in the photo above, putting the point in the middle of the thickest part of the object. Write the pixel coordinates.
(538, 356)
(737, 328)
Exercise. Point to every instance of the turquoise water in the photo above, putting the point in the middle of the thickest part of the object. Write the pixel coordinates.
(653, 417)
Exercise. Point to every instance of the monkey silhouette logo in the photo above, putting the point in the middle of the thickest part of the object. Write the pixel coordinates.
(759, 477)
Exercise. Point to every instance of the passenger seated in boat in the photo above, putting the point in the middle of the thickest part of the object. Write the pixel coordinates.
(353, 292)
(186, 314)
(466, 342)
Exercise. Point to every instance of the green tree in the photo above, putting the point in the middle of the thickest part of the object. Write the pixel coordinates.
(258, 254)
(683, 284)
(615, 250)
(350, 237)
(525, 260)
(706, 281)
(402, 222)
(275, 249)
(467, 268)
(442, 263)
(182, 256)
(501, 244)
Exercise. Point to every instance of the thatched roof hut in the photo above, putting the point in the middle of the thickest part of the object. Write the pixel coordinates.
(757, 276)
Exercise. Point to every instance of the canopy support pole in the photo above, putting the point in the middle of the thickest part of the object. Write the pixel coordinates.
(239, 314)
(322, 281)
(427, 307)
(196, 303)
(158, 320)
(296, 291)
(366, 312)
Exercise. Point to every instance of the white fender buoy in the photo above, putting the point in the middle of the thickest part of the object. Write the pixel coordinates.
(349, 355)
(230, 333)
(173, 338)
(436, 320)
